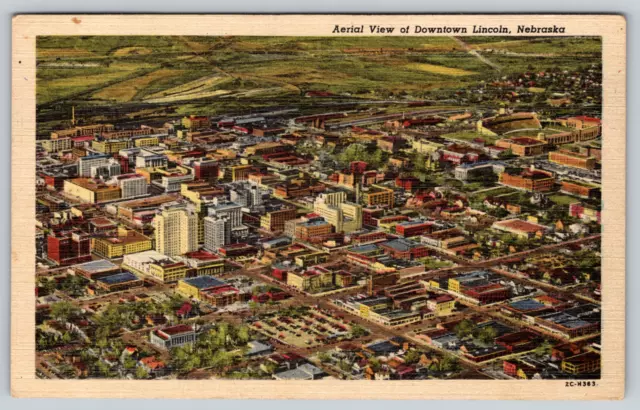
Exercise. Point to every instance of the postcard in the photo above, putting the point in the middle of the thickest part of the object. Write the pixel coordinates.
(318, 206)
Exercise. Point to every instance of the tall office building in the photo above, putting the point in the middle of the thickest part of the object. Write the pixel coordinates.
(233, 212)
(255, 195)
(108, 170)
(217, 233)
(176, 230)
(86, 163)
(344, 216)
(246, 195)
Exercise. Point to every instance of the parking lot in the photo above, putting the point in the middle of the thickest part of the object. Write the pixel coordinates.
(308, 330)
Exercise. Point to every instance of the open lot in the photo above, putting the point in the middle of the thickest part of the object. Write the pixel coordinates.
(305, 327)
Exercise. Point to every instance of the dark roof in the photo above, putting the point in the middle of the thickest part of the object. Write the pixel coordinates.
(119, 278)
(203, 282)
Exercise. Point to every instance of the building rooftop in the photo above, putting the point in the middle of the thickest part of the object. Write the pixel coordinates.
(401, 245)
(175, 330)
(122, 277)
(203, 282)
(97, 266)
(524, 141)
(520, 225)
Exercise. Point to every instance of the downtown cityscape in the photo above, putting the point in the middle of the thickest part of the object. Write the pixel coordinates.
(301, 208)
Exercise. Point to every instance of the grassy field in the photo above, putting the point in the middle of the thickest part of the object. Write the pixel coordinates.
(470, 136)
(576, 45)
(247, 72)
(562, 199)
(438, 69)
(126, 90)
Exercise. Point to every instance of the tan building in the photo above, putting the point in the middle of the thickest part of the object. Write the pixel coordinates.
(266, 148)
(376, 195)
(309, 280)
(194, 122)
(274, 221)
(146, 141)
(176, 231)
(124, 243)
(82, 130)
(91, 191)
(572, 159)
(522, 146)
(528, 179)
(57, 145)
(345, 216)
(168, 272)
(111, 146)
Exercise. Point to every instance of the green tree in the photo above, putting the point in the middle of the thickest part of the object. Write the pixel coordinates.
(129, 363)
(487, 334)
(242, 335)
(358, 331)
(222, 334)
(48, 285)
(464, 328)
(345, 366)
(412, 356)
(324, 357)
(544, 348)
(141, 373)
(63, 311)
(221, 360)
(375, 364)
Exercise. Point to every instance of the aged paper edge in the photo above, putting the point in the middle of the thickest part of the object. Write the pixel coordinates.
(611, 28)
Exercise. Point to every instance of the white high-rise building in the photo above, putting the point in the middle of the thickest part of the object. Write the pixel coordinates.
(176, 230)
(132, 185)
(256, 196)
(86, 163)
(217, 233)
(108, 170)
(227, 209)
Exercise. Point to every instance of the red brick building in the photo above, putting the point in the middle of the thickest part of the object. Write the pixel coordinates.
(69, 247)
(409, 229)
(529, 179)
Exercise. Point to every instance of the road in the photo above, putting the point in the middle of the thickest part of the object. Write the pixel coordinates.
(476, 54)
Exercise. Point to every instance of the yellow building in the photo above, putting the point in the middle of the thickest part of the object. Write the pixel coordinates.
(240, 172)
(588, 362)
(57, 145)
(311, 259)
(378, 195)
(442, 305)
(194, 122)
(425, 146)
(345, 216)
(210, 268)
(454, 285)
(309, 280)
(168, 272)
(334, 198)
(126, 242)
(147, 141)
(264, 148)
(188, 290)
(91, 191)
(110, 146)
